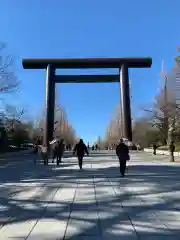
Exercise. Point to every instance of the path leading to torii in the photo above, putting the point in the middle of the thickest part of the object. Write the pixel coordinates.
(49, 202)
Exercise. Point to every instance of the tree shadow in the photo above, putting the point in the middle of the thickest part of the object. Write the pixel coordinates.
(94, 202)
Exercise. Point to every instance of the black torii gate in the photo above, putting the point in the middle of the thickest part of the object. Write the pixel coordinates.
(51, 79)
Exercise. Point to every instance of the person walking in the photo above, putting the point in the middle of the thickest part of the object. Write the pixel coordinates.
(154, 149)
(172, 150)
(54, 152)
(35, 151)
(138, 147)
(122, 151)
(80, 149)
(60, 150)
(45, 152)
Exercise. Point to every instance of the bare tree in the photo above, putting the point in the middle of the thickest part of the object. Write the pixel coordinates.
(102, 144)
(8, 81)
(62, 127)
(114, 130)
(11, 124)
(165, 112)
(13, 116)
(144, 133)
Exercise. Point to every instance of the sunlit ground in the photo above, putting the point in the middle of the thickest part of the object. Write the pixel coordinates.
(49, 202)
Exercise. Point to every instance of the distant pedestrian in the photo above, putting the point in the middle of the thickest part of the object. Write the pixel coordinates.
(80, 149)
(54, 152)
(44, 152)
(154, 149)
(138, 147)
(122, 151)
(88, 147)
(35, 151)
(172, 150)
(60, 151)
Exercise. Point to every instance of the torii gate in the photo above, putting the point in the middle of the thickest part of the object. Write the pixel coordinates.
(51, 79)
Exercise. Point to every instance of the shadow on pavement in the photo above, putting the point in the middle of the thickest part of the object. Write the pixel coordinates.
(128, 207)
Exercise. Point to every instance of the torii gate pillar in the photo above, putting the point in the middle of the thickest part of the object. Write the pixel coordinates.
(50, 105)
(125, 103)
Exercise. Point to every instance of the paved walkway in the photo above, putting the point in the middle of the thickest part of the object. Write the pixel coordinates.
(53, 203)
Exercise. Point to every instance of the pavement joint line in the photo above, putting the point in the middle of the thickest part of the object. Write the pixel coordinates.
(70, 211)
(137, 234)
(13, 195)
(41, 214)
(154, 212)
(97, 205)
(10, 217)
(114, 185)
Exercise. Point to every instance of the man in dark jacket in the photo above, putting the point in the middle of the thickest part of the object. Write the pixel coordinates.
(80, 149)
(122, 151)
(172, 150)
(154, 149)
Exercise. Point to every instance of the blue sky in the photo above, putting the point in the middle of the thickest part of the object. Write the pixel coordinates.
(94, 28)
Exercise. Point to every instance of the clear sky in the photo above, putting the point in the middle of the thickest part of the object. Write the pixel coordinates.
(94, 28)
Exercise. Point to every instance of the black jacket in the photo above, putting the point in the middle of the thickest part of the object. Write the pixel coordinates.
(122, 151)
(81, 149)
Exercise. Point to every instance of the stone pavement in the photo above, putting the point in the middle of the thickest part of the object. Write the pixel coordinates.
(52, 203)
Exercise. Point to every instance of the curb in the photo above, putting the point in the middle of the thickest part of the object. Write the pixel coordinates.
(161, 152)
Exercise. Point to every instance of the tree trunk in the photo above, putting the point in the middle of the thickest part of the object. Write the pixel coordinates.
(170, 139)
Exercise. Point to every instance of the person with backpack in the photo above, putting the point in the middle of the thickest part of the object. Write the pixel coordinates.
(80, 149)
(122, 151)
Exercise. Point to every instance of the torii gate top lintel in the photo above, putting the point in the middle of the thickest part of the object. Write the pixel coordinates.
(78, 63)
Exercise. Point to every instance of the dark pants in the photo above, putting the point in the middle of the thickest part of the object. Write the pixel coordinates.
(122, 167)
(45, 158)
(80, 161)
(59, 157)
(172, 156)
(154, 152)
(54, 156)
